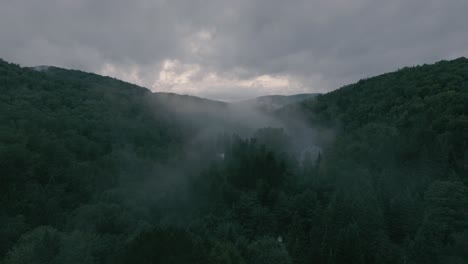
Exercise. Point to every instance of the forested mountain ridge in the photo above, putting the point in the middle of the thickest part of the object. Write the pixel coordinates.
(271, 103)
(68, 135)
(426, 104)
(96, 170)
(389, 96)
(402, 142)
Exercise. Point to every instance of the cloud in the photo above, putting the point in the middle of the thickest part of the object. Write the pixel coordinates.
(176, 77)
(233, 49)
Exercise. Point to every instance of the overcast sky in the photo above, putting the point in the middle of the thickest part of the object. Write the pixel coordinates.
(233, 49)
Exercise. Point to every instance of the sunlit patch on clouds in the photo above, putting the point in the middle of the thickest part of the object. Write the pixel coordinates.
(176, 77)
(232, 50)
(172, 75)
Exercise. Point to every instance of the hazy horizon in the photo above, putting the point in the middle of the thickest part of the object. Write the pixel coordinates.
(234, 50)
(241, 97)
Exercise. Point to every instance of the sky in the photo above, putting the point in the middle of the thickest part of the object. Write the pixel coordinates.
(234, 49)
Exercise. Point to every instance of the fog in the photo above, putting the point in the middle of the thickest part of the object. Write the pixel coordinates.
(97, 170)
(207, 124)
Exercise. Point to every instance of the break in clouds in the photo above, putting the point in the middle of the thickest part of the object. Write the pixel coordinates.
(231, 50)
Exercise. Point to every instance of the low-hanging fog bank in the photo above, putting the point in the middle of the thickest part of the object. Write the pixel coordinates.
(96, 170)
(209, 125)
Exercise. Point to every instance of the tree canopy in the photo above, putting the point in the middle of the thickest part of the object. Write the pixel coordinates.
(96, 170)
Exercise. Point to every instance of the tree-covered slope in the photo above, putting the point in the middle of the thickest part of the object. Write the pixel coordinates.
(95, 170)
(401, 156)
(271, 103)
(66, 136)
(423, 108)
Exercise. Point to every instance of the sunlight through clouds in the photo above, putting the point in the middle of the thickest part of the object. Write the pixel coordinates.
(226, 50)
(176, 77)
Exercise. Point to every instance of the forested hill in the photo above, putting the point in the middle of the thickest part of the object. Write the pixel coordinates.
(420, 110)
(88, 114)
(96, 170)
(66, 136)
(394, 97)
(271, 103)
(400, 157)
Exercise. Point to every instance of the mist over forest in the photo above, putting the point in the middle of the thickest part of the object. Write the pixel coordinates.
(97, 170)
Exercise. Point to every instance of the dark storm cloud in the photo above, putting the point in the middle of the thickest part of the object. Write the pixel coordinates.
(229, 48)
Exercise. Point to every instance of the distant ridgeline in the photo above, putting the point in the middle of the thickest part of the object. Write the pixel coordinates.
(420, 114)
(96, 170)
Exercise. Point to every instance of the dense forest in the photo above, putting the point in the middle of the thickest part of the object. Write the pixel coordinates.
(96, 170)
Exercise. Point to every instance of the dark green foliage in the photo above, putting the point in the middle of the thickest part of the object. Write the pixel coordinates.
(66, 136)
(225, 253)
(172, 246)
(268, 250)
(47, 245)
(95, 170)
(402, 139)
